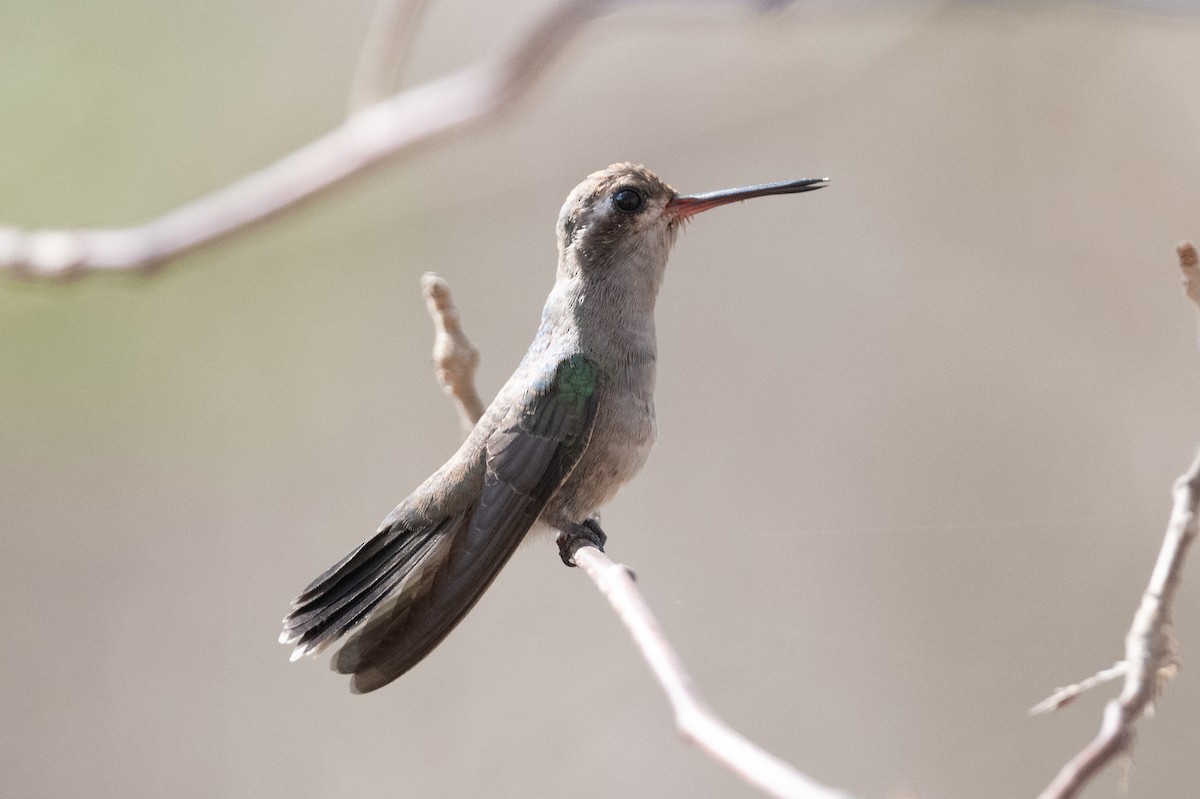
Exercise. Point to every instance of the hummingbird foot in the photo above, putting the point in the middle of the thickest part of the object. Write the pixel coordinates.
(579, 535)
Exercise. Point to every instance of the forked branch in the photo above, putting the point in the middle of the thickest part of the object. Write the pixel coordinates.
(1150, 659)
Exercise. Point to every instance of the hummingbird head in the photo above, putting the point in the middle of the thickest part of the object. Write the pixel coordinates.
(619, 224)
(616, 209)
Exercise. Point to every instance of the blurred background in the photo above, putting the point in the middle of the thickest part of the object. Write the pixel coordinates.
(917, 430)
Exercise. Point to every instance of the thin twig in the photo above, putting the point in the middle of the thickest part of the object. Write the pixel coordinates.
(1150, 659)
(455, 366)
(386, 47)
(455, 358)
(1065, 696)
(694, 720)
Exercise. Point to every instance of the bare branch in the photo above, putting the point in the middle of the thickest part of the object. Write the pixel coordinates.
(389, 39)
(693, 718)
(1065, 696)
(1150, 659)
(395, 125)
(455, 358)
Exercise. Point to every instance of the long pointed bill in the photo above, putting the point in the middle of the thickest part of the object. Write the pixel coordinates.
(688, 205)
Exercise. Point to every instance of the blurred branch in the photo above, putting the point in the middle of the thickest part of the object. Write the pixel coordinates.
(1150, 659)
(367, 136)
(389, 39)
(455, 359)
(1189, 264)
(399, 123)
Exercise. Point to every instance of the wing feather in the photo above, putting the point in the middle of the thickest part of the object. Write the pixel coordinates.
(528, 457)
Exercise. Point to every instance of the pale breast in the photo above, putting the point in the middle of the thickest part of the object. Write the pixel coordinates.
(621, 440)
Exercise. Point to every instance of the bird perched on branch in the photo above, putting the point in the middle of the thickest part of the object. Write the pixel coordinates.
(573, 423)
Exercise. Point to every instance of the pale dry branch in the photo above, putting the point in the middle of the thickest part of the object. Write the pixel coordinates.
(694, 720)
(455, 366)
(1150, 659)
(398, 124)
(388, 42)
(455, 358)
(1065, 696)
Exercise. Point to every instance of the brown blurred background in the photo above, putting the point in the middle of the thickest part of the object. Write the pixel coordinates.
(917, 430)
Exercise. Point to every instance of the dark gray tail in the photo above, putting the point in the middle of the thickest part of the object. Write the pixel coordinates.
(410, 587)
(354, 587)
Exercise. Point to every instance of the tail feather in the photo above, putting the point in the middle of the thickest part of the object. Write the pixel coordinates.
(356, 579)
(402, 631)
(346, 594)
(358, 558)
(405, 629)
(385, 635)
(314, 612)
(326, 624)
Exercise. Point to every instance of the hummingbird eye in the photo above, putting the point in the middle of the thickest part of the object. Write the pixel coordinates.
(627, 201)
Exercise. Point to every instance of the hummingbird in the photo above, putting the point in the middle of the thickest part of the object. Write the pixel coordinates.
(573, 423)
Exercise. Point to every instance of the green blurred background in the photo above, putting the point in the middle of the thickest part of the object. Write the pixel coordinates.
(917, 430)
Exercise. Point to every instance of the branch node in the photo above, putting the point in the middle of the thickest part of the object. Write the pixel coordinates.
(1150, 658)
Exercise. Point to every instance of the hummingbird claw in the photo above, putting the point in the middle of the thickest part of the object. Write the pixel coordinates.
(579, 535)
